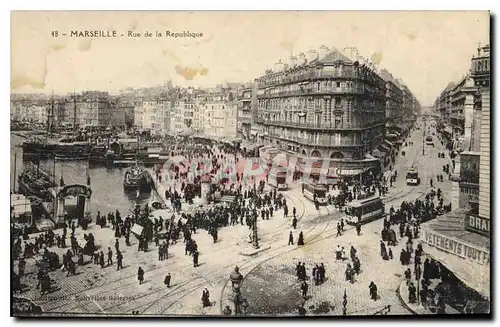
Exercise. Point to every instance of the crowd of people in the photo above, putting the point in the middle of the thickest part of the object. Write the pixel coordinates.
(249, 201)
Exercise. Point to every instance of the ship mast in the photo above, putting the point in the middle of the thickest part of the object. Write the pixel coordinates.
(74, 111)
(15, 173)
(50, 118)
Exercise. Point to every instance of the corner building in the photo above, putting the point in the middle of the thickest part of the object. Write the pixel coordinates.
(323, 106)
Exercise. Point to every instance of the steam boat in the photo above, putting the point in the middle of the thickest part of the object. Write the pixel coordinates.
(137, 179)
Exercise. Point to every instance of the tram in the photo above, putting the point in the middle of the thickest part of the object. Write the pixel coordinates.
(314, 191)
(412, 177)
(277, 180)
(364, 210)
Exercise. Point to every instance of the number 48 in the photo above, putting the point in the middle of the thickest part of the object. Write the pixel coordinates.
(55, 33)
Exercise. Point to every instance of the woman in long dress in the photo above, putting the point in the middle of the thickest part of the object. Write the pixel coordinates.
(301, 239)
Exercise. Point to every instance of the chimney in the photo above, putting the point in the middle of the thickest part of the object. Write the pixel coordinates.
(323, 51)
(312, 55)
(293, 61)
(302, 59)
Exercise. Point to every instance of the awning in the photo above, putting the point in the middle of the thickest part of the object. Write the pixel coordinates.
(388, 143)
(253, 133)
(350, 172)
(384, 148)
(464, 253)
(475, 276)
(379, 154)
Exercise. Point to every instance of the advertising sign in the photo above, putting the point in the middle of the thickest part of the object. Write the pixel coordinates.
(456, 247)
(478, 225)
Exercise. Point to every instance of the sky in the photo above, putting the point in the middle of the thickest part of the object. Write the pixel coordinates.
(426, 49)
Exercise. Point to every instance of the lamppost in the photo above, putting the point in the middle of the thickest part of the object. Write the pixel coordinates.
(423, 139)
(344, 304)
(239, 302)
(255, 234)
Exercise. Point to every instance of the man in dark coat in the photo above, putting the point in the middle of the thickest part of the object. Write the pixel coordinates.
(110, 257)
(167, 280)
(119, 260)
(294, 223)
(290, 239)
(140, 275)
(304, 287)
(195, 258)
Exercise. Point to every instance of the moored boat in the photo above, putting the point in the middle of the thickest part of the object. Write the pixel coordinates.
(71, 149)
(137, 178)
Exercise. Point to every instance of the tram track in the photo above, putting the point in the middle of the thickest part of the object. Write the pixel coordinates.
(181, 268)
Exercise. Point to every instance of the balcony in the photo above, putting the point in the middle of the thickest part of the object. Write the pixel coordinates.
(321, 91)
(315, 126)
(312, 75)
(319, 143)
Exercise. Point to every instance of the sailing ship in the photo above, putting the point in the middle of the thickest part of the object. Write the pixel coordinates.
(34, 182)
(72, 149)
(137, 178)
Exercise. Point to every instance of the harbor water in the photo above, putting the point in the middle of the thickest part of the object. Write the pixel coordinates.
(106, 183)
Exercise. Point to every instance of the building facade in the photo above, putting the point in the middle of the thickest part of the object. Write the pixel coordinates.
(394, 99)
(323, 106)
(220, 113)
(245, 112)
(94, 109)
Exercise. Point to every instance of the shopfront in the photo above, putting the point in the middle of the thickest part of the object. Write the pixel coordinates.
(454, 241)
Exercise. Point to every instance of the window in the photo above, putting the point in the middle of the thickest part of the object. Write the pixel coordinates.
(338, 84)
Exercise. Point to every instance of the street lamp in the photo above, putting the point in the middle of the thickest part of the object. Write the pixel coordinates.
(239, 302)
(423, 141)
(255, 234)
(344, 304)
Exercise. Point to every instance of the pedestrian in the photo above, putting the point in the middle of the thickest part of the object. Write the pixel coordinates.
(298, 270)
(167, 280)
(373, 291)
(290, 239)
(140, 275)
(110, 256)
(119, 260)
(294, 223)
(358, 228)
(301, 239)
(101, 259)
(322, 273)
(304, 287)
(339, 230)
(195, 258)
(117, 245)
(205, 298)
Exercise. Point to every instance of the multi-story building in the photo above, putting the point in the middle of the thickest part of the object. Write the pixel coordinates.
(138, 114)
(199, 113)
(94, 109)
(220, 113)
(323, 106)
(467, 227)
(127, 107)
(148, 115)
(394, 99)
(245, 112)
(183, 113)
(481, 75)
